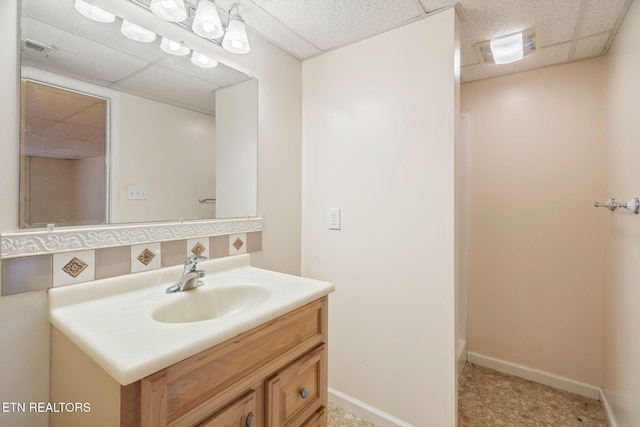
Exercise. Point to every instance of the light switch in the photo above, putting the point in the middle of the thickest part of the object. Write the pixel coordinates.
(334, 219)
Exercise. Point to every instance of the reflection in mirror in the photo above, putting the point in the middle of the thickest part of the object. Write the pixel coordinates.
(62, 157)
(163, 137)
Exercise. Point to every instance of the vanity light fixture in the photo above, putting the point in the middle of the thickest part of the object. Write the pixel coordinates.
(507, 49)
(136, 32)
(170, 10)
(206, 22)
(174, 48)
(94, 13)
(235, 37)
(202, 60)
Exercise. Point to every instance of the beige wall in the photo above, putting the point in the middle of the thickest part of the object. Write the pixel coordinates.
(51, 191)
(173, 158)
(91, 189)
(24, 329)
(236, 150)
(378, 142)
(24, 360)
(622, 286)
(536, 243)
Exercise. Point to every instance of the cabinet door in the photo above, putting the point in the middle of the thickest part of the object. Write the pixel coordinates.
(240, 413)
(297, 391)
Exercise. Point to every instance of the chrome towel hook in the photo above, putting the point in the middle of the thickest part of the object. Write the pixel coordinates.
(612, 204)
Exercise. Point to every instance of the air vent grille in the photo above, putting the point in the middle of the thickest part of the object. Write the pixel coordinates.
(36, 46)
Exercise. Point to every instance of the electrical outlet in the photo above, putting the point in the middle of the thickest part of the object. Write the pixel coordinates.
(334, 219)
(136, 193)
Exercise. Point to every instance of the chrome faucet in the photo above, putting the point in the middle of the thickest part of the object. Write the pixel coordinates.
(190, 276)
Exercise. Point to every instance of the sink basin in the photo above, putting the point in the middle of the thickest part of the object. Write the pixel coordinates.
(210, 303)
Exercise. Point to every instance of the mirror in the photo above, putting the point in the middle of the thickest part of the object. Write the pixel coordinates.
(180, 140)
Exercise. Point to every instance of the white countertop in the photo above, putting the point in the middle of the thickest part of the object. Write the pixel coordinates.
(111, 319)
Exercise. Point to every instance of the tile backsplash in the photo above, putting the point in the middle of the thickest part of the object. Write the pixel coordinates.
(40, 272)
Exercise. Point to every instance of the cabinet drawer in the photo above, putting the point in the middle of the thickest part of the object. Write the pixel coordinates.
(297, 391)
(319, 419)
(238, 414)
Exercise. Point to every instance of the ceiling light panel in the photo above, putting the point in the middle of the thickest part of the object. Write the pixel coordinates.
(487, 19)
(547, 56)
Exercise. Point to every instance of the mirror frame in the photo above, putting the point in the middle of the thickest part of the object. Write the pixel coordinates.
(31, 242)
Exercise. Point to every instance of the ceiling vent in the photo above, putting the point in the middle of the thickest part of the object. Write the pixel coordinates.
(35, 46)
(528, 44)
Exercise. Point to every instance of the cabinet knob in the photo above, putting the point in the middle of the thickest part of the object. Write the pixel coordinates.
(304, 393)
(249, 420)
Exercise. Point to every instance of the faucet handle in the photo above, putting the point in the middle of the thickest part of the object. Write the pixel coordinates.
(194, 258)
(192, 261)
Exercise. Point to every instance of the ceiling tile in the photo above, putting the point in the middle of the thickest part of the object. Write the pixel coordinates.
(94, 116)
(164, 85)
(333, 23)
(589, 47)
(45, 102)
(270, 28)
(72, 131)
(601, 16)
(77, 55)
(433, 5)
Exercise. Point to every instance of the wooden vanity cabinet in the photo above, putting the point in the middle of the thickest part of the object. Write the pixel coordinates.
(274, 375)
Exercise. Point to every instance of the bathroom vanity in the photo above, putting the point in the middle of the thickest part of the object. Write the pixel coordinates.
(263, 363)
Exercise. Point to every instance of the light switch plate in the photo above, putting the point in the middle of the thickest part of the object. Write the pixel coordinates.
(334, 219)
(136, 193)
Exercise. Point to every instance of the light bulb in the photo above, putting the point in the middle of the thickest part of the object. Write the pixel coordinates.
(206, 22)
(171, 10)
(136, 32)
(203, 61)
(94, 13)
(235, 38)
(173, 48)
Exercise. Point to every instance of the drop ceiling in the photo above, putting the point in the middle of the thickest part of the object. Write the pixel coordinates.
(566, 30)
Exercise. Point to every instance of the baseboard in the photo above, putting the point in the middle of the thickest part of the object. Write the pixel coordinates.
(364, 411)
(543, 377)
(607, 409)
(462, 355)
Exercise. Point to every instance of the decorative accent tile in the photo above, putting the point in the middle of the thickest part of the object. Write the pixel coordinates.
(73, 267)
(30, 243)
(237, 244)
(26, 274)
(145, 257)
(198, 247)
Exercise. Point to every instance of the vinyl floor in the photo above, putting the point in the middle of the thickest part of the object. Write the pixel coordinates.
(487, 398)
